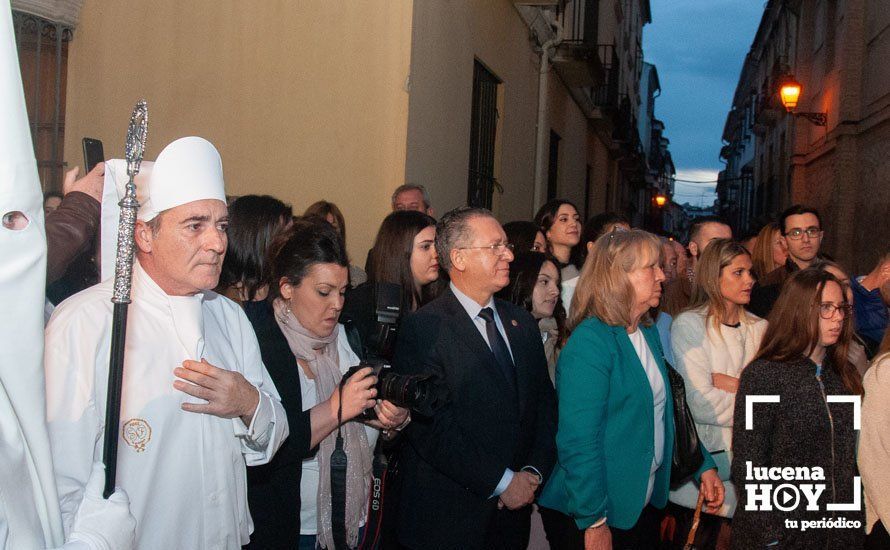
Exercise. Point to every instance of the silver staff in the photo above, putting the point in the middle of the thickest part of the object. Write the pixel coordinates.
(137, 132)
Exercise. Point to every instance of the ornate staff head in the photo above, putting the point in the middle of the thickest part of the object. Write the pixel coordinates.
(137, 133)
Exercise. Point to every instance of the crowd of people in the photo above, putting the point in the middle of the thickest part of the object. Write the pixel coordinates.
(469, 384)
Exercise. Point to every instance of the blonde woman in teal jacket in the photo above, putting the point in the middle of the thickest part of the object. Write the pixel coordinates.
(616, 428)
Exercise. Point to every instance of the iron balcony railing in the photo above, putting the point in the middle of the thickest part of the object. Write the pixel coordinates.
(580, 20)
(606, 95)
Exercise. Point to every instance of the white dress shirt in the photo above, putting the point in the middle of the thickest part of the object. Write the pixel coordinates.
(473, 308)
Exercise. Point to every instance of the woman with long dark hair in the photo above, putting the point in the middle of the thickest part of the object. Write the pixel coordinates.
(534, 285)
(404, 254)
(254, 222)
(802, 360)
(561, 224)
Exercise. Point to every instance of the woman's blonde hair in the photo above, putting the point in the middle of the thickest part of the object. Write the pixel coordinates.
(762, 255)
(716, 257)
(604, 289)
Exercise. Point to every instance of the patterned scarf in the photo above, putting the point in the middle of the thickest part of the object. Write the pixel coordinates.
(323, 359)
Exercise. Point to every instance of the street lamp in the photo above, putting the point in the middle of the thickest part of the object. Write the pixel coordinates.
(660, 200)
(789, 92)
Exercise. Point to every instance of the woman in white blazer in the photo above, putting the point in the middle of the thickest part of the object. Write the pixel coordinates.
(874, 448)
(713, 340)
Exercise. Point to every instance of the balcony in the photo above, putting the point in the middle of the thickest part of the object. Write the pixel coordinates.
(576, 59)
(605, 95)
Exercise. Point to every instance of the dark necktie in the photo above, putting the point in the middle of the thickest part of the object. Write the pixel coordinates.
(499, 346)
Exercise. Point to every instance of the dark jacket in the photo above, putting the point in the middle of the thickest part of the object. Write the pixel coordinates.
(71, 239)
(766, 290)
(870, 315)
(454, 461)
(796, 432)
(70, 230)
(273, 489)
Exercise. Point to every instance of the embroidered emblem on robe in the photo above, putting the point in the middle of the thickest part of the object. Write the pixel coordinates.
(137, 433)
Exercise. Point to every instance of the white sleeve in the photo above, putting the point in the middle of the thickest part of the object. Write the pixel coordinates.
(74, 379)
(692, 352)
(268, 428)
(874, 440)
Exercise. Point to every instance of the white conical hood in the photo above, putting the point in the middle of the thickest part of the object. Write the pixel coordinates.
(24, 444)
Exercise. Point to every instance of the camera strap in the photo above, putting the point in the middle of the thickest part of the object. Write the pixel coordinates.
(338, 482)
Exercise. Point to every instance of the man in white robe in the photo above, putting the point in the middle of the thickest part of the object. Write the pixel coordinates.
(197, 402)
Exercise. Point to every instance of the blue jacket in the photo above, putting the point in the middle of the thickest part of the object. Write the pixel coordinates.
(606, 431)
(870, 314)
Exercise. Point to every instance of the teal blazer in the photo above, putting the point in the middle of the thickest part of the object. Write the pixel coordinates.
(606, 429)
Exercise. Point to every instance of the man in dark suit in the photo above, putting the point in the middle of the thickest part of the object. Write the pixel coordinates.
(471, 471)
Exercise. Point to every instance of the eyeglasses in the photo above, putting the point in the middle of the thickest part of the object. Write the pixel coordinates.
(827, 309)
(498, 249)
(798, 233)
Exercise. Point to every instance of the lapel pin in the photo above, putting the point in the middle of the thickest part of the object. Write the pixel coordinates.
(515, 323)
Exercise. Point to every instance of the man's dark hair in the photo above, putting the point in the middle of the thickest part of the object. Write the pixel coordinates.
(453, 230)
(699, 223)
(796, 210)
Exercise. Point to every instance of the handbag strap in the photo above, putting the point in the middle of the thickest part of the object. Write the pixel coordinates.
(690, 538)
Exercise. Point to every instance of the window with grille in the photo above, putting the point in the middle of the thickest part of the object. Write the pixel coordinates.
(43, 58)
(483, 131)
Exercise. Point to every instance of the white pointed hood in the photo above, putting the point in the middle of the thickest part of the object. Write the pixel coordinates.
(24, 443)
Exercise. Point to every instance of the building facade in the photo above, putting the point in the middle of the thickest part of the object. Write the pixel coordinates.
(497, 103)
(837, 51)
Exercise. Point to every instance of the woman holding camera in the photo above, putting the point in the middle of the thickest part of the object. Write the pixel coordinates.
(616, 428)
(534, 285)
(801, 364)
(404, 254)
(306, 352)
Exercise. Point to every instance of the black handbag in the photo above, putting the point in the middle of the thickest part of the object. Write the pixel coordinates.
(687, 457)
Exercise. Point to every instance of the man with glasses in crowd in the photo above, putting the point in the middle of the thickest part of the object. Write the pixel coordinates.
(472, 470)
(802, 233)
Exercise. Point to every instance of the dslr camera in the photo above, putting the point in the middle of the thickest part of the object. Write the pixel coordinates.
(417, 393)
